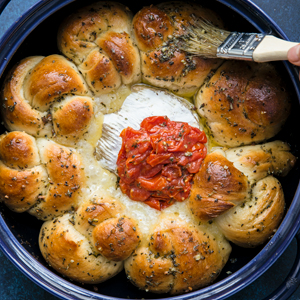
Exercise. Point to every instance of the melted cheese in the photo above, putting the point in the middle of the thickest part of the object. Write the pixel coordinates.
(101, 182)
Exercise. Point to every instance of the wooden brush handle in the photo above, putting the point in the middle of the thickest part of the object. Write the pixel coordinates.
(272, 48)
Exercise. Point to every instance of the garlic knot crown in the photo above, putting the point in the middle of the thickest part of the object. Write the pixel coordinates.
(93, 230)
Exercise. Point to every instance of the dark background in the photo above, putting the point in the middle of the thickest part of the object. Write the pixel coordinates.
(15, 286)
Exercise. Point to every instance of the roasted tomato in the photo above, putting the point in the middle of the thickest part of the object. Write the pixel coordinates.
(156, 163)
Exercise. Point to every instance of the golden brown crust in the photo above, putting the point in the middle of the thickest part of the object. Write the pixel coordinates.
(33, 86)
(73, 116)
(77, 34)
(149, 271)
(151, 26)
(181, 258)
(18, 150)
(98, 39)
(101, 220)
(262, 160)
(243, 103)
(190, 249)
(16, 112)
(163, 65)
(183, 14)
(43, 178)
(175, 70)
(208, 208)
(116, 238)
(51, 78)
(20, 190)
(123, 54)
(66, 179)
(87, 245)
(22, 178)
(100, 73)
(94, 211)
(79, 31)
(253, 222)
(217, 184)
(70, 253)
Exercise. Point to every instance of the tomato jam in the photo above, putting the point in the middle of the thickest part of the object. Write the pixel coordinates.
(156, 164)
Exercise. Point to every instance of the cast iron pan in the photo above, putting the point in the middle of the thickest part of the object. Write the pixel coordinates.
(35, 34)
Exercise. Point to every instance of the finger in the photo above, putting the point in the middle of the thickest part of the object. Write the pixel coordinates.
(294, 55)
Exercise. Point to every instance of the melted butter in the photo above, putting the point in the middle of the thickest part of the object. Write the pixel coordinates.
(95, 130)
(113, 101)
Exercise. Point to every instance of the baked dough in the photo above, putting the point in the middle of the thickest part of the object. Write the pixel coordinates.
(34, 85)
(237, 188)
(90, 245)
(163, 64)
(243, 103)
(40, 177)
(98, 39)
(179, 257)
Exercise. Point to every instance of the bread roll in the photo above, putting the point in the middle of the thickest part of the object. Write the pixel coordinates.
(163, 64)
(259, 161)
(72, 116)
(112, 234)
(22, 177)
(16, 111)
(253, 222)
(243, 103)
(177, 258)
(51, 78)
(218, 186)
(31, 89)
(18, 150)
(98, 39)
(71, 254)
(236, 188)
(66, 180)
(40, 177)
(91, 245)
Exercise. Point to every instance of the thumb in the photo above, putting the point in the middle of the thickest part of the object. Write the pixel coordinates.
(293, 55)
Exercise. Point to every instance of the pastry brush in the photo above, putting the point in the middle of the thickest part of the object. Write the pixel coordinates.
(203, 39)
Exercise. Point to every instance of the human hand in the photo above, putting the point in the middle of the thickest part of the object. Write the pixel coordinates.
(294, 56)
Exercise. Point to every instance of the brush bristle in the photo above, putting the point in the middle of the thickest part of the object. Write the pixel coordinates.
(202, 38)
